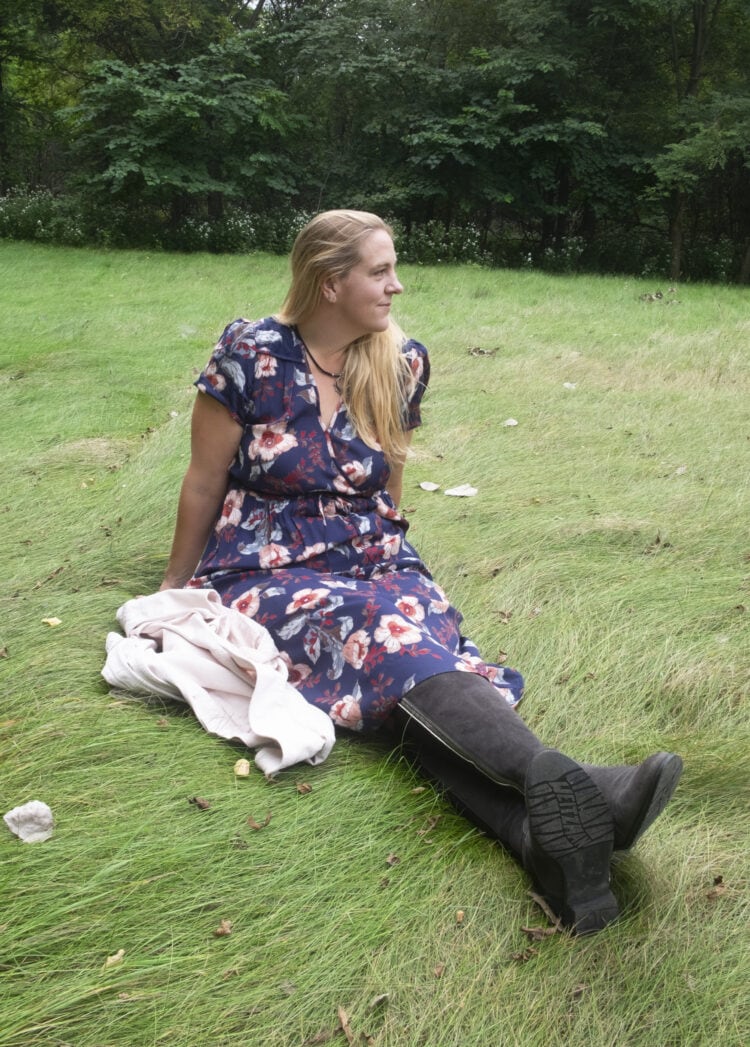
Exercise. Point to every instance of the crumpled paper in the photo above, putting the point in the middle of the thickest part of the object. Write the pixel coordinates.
(462, 491)
(32, 821)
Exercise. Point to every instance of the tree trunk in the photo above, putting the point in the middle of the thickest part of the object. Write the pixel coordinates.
(705, 15)
(744, 276)
(562, 219)
(255, 16)
(3, 134)
(215, 206)
(675, 233)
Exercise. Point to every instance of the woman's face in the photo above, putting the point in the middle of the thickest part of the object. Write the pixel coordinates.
(362, 298)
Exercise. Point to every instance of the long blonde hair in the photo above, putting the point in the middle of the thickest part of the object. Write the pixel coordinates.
(376, 380)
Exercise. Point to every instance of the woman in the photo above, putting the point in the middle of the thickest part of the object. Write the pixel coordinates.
(289, 510)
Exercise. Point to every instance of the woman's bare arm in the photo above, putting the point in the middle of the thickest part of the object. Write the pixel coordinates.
(395, 484)
(215, 437)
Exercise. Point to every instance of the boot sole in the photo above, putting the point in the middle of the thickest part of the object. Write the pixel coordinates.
(669, 769)
(571, 839)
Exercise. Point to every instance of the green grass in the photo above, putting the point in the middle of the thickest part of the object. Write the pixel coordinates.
(607, 554)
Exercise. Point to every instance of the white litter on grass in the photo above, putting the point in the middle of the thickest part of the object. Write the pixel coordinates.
(569, 385)
(32, 822)
(510, 421)
(462, 491)
(428, 485)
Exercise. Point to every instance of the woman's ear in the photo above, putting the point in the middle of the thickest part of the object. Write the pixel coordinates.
(328, 288)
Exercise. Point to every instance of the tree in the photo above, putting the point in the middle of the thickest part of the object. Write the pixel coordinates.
(710, 116)
(182, 136)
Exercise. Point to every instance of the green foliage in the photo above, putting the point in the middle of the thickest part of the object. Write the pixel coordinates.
(574, 133)
(38, 215)
(164, 134)
(713, 132)
(433, 243)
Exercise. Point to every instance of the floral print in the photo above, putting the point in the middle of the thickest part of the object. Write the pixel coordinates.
(271, 441)
(310, 545)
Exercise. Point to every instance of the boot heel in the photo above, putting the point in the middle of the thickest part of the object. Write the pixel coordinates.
(569, 842)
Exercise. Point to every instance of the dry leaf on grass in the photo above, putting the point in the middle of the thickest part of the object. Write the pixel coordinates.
(256, 825)
(200, 803)
(392, 859)
(3, 652)
(345, 1026)
(324, 1036)
(541, 902)
(303, 788)
(460, 916)
(224, 929)
(115, 959)
(538, 934)
(526, 955)
(439, 970)
(719, 888)
(52, 622)
(377, 1001)
(432, 821)
(43, 581)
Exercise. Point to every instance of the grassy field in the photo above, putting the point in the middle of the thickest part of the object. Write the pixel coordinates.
(606, 555)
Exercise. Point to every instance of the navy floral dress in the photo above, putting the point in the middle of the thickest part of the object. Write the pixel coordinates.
(310, 544)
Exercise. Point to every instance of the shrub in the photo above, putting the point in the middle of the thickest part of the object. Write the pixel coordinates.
(40, 215)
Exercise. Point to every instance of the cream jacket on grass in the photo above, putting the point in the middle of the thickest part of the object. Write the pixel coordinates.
(184, 644)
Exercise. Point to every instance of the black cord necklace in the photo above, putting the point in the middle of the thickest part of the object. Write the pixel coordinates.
(329, 374)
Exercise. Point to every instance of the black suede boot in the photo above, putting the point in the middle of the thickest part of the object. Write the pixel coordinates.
(468, 715)
(564, 836)
(636, 795)
(498, 810)
(568, 842)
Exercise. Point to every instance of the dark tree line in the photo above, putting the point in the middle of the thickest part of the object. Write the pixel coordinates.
(601, 134)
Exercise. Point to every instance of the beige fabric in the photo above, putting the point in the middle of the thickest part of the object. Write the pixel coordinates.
(184, 644)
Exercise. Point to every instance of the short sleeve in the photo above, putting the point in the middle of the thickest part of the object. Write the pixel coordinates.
(419, 362)
(229, 375)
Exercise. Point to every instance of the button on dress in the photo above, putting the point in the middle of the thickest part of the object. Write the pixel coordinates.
(310, 544)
